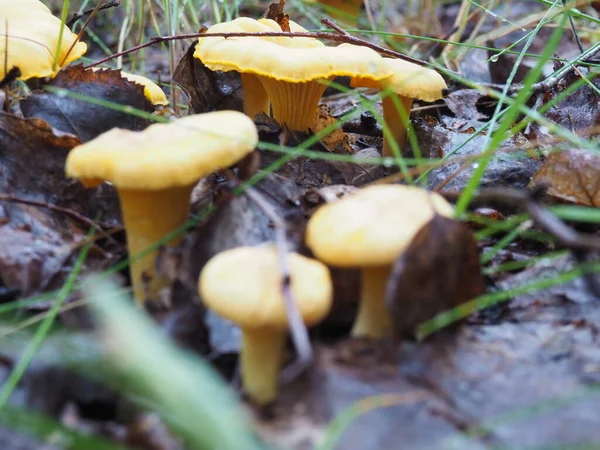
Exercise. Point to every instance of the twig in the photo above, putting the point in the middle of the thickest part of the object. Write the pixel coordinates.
(578, 243)
(70, 212)
(336, 37)
(298, 330)
(551, 82)
(91, 15)
(525, 200)
(572, 24)
(327, 21)
(78, 15)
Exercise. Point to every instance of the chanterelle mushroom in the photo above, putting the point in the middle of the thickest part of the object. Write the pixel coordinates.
(408, 82)
(370, 229)
(29, 40)
(152, 91)
(292, 70)
(244, 285)
(154, 171)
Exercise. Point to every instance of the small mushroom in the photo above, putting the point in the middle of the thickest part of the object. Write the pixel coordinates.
(29, 40)
(370, 229)
(408, 82)
(244, 285)
(292, 70)
(154, 171)
(152, 91)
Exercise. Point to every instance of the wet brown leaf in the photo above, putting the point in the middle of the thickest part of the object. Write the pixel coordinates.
(580, 111)
(275, 11)
(438, 271)
(572, 175)
(82, 118)
(208, 90)
(335, 141)
(36, 242)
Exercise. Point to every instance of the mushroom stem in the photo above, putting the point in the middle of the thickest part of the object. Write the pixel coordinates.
(396, 120)
(261, 359)
(256, 100)
(148, 215)
(294, 104)
(373, 319)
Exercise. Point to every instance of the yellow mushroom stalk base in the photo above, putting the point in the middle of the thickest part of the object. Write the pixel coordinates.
(261, 359)
(373, 319)
(396, 120)
(148, 215)
(256, 100)
(294, 104)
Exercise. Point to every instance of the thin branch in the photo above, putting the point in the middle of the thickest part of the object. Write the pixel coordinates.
(579, 244)
(335, 37)
(79, 15)
(334, 26)
(91, 15)
(572, 24)
(69, 212)
(548, 222)
(298, 330)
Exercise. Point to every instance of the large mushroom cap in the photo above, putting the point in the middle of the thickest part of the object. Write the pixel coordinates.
(244, 285)
(289, 59)
(29, 39)
(409, 80)
(165, 154)
(372, 226)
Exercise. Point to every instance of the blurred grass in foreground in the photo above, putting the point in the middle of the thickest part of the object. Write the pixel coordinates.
(189, 396)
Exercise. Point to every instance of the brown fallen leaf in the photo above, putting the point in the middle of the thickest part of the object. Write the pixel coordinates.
(579, 111)
(36, 242)
(275, 11)
(81, 117)
(438, 271)
(207, 90)
(336, 140)
(571, 175)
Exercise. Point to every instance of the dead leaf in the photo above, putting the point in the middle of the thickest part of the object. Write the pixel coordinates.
(82, 118)
(275, 11)
(571, 175)
(36, 242)
(336, 141)
(208, 90)
(580, 111)
(438, 271)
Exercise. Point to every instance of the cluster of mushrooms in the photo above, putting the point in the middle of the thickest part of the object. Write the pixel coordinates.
(30, 38)
(155, 170)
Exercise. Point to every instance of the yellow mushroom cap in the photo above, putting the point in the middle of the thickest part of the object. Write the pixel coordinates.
(409, 80)
(244, 286)
(165, 154)
(152, 91)
(29, 39)
(293, 59)
(372, 226)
